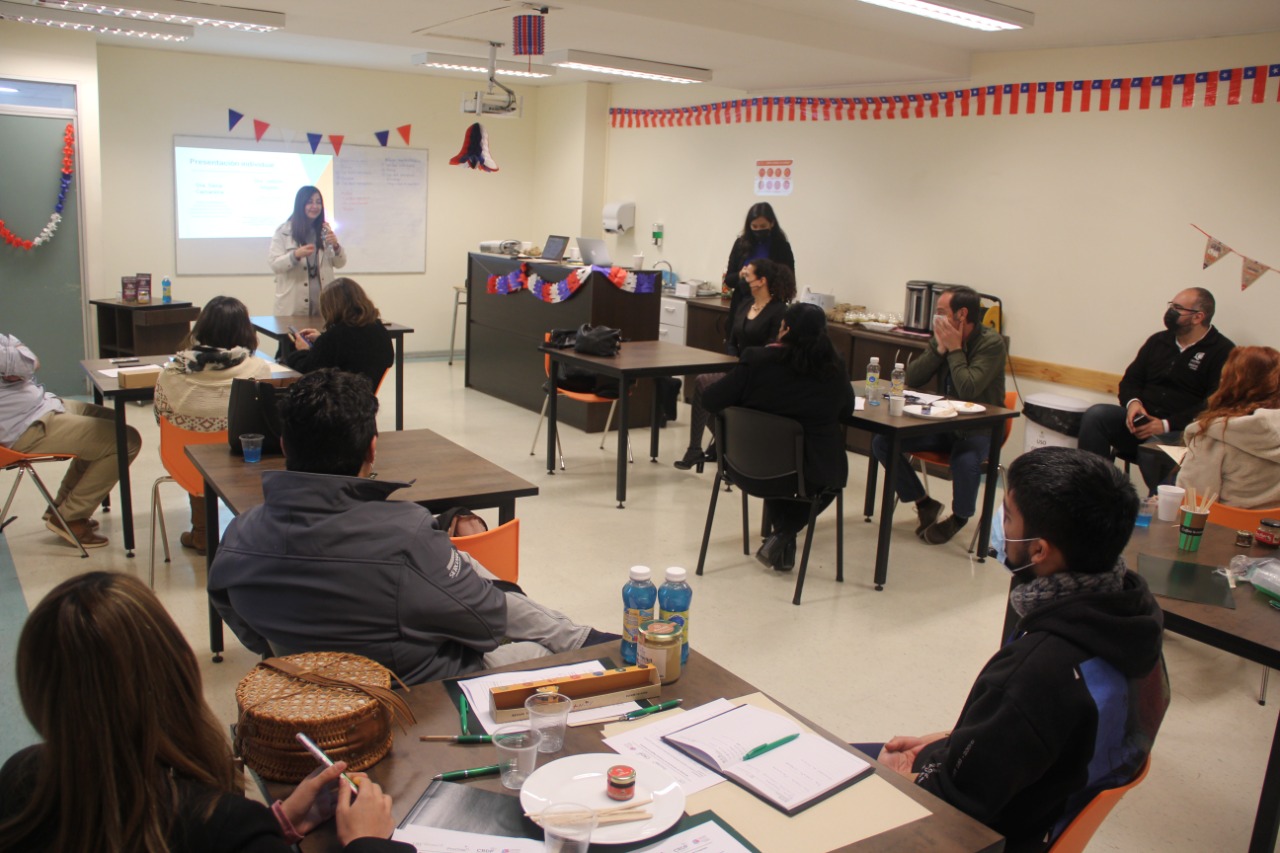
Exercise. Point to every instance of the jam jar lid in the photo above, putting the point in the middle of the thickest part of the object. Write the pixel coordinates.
(621, 774)
(665, 628)
(1270, 522)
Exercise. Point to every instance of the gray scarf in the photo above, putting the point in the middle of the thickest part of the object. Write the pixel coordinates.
(212, 358)
(1028, 597)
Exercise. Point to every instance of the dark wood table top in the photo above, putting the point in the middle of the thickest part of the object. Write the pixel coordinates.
(648, 358)
(278, 326)
(407, 770)
(877, 418)
(446, 474)
(1251, 631)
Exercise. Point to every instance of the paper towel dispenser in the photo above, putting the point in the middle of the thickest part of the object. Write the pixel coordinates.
(619, 216)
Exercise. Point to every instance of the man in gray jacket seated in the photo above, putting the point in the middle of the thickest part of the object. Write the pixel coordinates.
(328, 563)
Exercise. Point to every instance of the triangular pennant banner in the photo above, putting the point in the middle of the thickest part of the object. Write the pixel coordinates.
(1214, 250)
(383, 136)
(233, 118)
(1250, 271)
(313, 139)
(403, 130)
(336, 142)
(288, 133)
(259, 128)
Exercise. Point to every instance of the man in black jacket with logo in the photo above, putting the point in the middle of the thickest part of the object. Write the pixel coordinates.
(1071, 704)
(1163, 389)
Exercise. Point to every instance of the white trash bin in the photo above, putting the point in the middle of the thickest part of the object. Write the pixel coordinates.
(1053, 420)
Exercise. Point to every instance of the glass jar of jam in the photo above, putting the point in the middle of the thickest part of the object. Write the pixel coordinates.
(622, 782)
(1268, 533)
(659, 644)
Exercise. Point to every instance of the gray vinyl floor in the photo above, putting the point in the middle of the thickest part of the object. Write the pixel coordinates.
(864, 664)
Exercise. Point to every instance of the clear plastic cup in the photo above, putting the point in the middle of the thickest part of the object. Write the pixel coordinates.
(251, 444)
(549, 714)
(567, 827)
(517, 748)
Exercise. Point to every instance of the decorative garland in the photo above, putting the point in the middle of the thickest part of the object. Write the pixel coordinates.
(523, 278)
(46, 233)
(1245, 84)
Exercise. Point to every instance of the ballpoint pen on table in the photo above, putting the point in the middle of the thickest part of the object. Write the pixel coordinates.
(469, 773)
(765, 747)
(456, 738)
(632, 715)
(316, 751)
(462, 714)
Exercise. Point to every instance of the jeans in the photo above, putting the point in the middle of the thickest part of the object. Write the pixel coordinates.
(1104, 431)
(533, 630)
(969, 452)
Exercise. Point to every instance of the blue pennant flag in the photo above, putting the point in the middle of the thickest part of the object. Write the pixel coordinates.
(233, 118)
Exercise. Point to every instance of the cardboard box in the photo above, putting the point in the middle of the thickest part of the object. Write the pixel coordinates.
(143, 376)
(589, 690)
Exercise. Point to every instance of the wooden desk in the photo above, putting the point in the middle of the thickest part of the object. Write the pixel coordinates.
(876, 419)
(445, 475)
(407, 769)
(636, 360)
(278, 327)
(1251, 631)
(128, 328)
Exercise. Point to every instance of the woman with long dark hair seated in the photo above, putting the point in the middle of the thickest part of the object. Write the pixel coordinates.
(1233, 447)
(132, 758)
(353, 339)
(800, 377)
(754, 323)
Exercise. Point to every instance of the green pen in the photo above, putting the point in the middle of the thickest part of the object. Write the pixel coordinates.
(470, 773)
(652, 709)
(765, 747)
(462, 714)
(456, 738)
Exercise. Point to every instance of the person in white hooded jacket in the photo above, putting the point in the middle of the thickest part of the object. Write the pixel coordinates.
(304, 253)
(1233, 447)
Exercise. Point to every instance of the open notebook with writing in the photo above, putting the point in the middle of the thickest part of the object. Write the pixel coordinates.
(791, 776)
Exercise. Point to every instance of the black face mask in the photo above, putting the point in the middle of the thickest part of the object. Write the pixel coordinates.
(761, 235)
(1171, 319)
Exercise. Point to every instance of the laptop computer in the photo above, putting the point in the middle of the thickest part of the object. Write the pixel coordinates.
(594, 252)
(553, 249)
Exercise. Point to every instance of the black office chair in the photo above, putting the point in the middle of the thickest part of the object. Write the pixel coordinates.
(763, 455)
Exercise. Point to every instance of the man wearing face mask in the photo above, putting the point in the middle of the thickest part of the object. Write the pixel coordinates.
(1071, 704)
(1163, 389)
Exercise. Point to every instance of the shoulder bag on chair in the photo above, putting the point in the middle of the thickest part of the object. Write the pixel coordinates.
(598, 340)
(253, 409)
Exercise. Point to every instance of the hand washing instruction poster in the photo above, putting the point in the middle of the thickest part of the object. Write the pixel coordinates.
(774, 177)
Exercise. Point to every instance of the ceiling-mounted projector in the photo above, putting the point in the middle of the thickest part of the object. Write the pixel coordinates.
(501, 104)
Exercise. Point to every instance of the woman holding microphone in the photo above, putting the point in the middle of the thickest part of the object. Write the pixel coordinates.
(304, 253)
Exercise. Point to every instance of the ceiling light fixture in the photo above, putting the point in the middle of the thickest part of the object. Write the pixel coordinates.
(475, 64)
(183, 12)
(624, 66)
(975, 14)
(61, 19)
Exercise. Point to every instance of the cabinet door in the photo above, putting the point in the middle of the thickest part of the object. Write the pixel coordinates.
(705, 326)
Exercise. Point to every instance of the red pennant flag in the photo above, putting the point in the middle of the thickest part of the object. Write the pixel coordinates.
(1144, 99)
(1234, 81)
(403, 130)
(259, 128)
(1250, 271)
(336, 142)
(1188, 89)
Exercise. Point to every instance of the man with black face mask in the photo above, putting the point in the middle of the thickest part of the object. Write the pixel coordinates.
(1163, 389)
(1071, 704)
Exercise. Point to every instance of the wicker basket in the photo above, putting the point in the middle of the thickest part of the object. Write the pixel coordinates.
(346, 722)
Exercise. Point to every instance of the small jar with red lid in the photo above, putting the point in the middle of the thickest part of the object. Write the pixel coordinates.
(1268, 533)
(622, 782)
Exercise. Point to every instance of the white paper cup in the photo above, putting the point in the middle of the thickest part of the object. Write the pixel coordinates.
(896, 404)
(637, 262)
(567, 827)
(548, 713)
(1170, 498)
(517, 748)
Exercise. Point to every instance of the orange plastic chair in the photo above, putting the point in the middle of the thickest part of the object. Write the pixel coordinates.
(498, 550)
(943, 458)
(1079, 832)
(173, 442)
(12, 460)
(581, 397)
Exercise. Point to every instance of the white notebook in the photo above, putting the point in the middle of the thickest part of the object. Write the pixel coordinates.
(791, 776)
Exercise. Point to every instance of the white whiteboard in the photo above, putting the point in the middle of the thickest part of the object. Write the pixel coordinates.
(378, 206)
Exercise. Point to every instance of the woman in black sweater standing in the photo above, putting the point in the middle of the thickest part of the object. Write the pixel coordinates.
(353, 340)
(761, 239)
(754, 323)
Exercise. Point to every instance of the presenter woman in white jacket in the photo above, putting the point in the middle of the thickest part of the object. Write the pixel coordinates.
(304, 254)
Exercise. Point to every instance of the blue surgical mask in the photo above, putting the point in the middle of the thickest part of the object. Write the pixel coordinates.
(998, 541)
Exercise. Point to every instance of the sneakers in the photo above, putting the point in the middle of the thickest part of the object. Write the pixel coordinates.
(942, 531)
(928, 511)
(80, 528)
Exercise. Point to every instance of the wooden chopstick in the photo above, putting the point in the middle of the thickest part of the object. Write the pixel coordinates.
(579, 817)
(634, 804)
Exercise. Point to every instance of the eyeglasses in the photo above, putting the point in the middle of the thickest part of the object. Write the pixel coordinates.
(1182, 310)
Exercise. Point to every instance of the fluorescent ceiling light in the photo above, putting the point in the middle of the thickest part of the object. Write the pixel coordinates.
(93, 23)
(642, 69)
(177, 12)
(479, 65)
(976, 14)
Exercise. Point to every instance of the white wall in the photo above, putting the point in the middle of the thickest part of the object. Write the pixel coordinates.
(148, 96)
(1079, 222)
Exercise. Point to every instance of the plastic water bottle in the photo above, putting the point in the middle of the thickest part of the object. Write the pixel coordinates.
(873, 381)
(638, 597)
(897, 380)
(674, 597)
(166, 291)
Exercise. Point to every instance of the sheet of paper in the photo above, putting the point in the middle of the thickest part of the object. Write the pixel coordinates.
(921, 397)
(477, 691)
(1175, 452)
(709, 837)
(859, 403)
(646, 742)
(429, 839)
(276, 367)
(110, 372)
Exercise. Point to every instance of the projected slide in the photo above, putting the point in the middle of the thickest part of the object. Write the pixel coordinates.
(222, 193)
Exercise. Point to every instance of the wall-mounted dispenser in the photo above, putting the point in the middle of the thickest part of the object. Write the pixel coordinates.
(619, 216)
(657, 233)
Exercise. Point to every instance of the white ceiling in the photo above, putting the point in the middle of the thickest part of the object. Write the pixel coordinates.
(749, 45)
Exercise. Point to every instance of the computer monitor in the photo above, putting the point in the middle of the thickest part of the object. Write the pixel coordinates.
(554, 248)
(594, 252)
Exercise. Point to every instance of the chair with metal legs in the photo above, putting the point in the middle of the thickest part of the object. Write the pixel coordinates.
(581, 397)
(173, 442)
(12, 460)
(459, 298)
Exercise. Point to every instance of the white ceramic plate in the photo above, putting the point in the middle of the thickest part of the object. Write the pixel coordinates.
(939, 411)
(967, 408)
(582, 779)
(878, 327)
